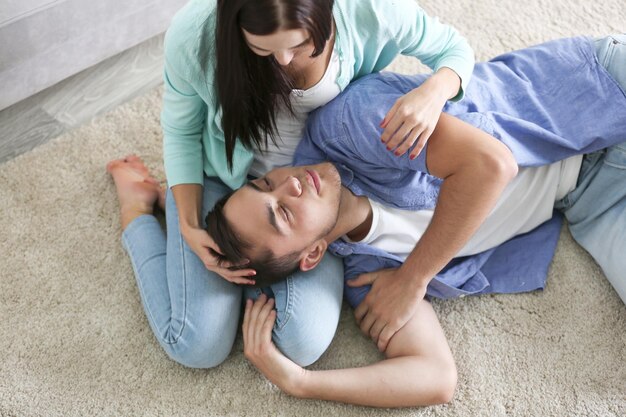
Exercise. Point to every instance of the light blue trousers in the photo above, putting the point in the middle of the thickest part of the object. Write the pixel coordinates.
(194, 313)
(596, 209)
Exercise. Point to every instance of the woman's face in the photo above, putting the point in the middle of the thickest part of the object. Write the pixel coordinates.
(291, 48)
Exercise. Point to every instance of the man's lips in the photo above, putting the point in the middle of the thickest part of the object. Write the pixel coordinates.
(314, 179)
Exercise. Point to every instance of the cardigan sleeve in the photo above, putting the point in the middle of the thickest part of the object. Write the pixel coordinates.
(435, 44)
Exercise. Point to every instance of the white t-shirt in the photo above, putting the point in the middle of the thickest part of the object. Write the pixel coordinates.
(526, 202)
(289, 128)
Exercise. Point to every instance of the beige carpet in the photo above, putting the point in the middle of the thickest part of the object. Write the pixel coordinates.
(74, 340)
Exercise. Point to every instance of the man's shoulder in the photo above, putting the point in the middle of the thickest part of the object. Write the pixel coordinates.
(350, 123)
(360, 96)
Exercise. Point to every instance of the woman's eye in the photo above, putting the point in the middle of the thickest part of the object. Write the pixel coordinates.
(267, 183)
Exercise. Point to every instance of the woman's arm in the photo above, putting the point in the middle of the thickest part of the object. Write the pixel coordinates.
(418, 369)
(411, 121)
(413, 117)
(435, 44)
(475, 168)
(182, 119)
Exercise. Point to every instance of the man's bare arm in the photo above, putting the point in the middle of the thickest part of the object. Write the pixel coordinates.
(475, 168)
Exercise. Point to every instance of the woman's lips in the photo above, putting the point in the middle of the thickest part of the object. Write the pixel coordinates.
(315, 178)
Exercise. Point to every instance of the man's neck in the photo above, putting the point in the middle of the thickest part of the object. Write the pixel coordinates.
(354, 218)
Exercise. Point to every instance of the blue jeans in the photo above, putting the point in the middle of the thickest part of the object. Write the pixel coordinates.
(194, 313)
(596, 208)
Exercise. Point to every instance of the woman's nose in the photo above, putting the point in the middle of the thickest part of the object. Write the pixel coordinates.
(283, 57)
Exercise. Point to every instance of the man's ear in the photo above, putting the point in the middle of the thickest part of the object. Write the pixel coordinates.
(313, 255)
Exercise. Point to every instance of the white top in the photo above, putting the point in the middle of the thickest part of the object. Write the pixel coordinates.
(397, 231)
(289, 128)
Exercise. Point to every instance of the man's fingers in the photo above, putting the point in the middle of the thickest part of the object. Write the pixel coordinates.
(360, 311)
(363, 279)
(385, 336)
(246, 322)
(376, 329)
(256, 319)
(268, 326)
(366, 323)
(254, 313)
(263, 334)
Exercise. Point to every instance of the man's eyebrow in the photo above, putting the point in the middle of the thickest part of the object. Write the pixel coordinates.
(270, 210)
(293, 47)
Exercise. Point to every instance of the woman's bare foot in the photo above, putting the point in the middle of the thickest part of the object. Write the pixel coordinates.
(137, 191)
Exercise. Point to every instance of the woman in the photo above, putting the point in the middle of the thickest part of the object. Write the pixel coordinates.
(240, 78)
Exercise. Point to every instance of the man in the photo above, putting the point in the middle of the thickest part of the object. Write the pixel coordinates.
(447, 223)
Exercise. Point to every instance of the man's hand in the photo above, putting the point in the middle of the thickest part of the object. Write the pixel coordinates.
(258, 322)
(390, 303)
(201, 242)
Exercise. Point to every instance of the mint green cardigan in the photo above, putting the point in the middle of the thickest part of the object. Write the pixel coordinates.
(370, 34)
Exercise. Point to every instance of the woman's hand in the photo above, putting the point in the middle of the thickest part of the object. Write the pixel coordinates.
(201, 243)
(188, 198)
(413, 117)
(258, 322)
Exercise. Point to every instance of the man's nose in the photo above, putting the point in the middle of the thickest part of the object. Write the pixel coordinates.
(283, 57)
(292, 187)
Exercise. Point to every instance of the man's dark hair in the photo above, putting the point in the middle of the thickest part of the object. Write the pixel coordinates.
(251, 88)
(269, 269)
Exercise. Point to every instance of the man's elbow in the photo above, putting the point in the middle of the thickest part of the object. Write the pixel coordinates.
(501, 164)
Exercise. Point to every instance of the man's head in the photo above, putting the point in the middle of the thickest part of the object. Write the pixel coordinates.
(278, 222)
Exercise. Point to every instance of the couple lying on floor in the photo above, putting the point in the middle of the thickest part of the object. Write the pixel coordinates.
(540, 134)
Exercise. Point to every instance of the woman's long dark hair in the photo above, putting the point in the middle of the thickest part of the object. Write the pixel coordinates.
(250, 87)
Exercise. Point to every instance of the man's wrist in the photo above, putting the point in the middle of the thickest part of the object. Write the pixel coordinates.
(417, 282)
(300, 386)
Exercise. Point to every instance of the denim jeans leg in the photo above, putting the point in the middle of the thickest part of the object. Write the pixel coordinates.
(308, 305)
(596, 212)
(193, 312)
(611, 53)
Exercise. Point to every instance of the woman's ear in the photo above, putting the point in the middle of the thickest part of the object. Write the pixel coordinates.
(313, 255)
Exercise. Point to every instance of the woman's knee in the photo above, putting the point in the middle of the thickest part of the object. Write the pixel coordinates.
(306, 327)
(200, 352)
(205, 337)
(308, 306)
(304, 345)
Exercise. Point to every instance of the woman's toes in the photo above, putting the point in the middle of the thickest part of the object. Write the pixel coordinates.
(111, 165)
(151, 180)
